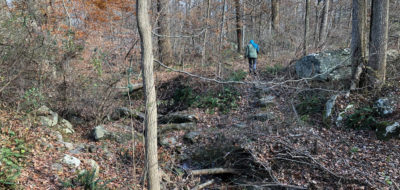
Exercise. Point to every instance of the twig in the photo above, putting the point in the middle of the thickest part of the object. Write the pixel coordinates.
(214, 171)
(203, 185)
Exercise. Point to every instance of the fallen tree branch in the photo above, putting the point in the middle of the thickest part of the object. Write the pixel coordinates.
(213, 171)
(270, 84)
(203, 185)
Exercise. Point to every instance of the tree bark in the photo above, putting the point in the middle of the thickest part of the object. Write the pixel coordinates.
(306, 27)
(316, 25)
(324, 24)
(203, 53)
(376, 71)
(358, 41)
(239, 25)
(150, 122)
(221, 35)
(275, 15)
(164, 43)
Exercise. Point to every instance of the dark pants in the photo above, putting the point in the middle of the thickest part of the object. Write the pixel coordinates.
(252, 64)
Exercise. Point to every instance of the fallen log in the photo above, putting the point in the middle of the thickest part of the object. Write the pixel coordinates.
(203, 185)
(213, 171)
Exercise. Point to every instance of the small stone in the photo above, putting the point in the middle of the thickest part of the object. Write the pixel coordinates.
(43, 111)
(67, 131)
(66, 126)
(385, 106)
(59, 136)
(94, 166)
(68, 145)
(79, 149)
(390, 131)
(71, 161)
(92, 149)
(99, 133)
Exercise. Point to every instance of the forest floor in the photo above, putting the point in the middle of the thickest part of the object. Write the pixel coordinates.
(269, 147)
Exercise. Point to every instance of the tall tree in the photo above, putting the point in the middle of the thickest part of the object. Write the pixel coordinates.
(358, 41)
(144, 28)
(306, 27)
(275, 15)
(324, 24)
(376, 70)
(164, 43)
(239, 26)
(203, 53)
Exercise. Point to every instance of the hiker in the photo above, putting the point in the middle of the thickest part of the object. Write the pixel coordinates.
(252, 50)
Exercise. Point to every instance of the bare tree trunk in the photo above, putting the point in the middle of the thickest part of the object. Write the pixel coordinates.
(221, 35)
(150, 122)
(275, 15)
(306, 26)
(376, 71)
(203, 53)
(316, 25)
(324, 24)
(165, 49)
(358, 41)
(239, 25)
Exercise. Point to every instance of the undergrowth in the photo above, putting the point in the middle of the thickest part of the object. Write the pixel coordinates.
(223, 99)
(12, 155)
(238, 75)
(310, 105)
(275, 69)
(87, 180)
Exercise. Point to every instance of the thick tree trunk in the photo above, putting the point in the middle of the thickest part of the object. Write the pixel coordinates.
(306, 27)
(239, 25)
(275, 15)
(144, 28)
(164, 44)
(376, 71)
(324, 24)
(358, 41)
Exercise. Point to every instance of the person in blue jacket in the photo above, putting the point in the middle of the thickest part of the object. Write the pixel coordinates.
(252, 50)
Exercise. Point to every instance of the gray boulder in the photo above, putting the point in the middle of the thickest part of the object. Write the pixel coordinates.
(99, 133)
(329, 106)
(168, 141)
(191, 137)
(386, 105)
(325, 66)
